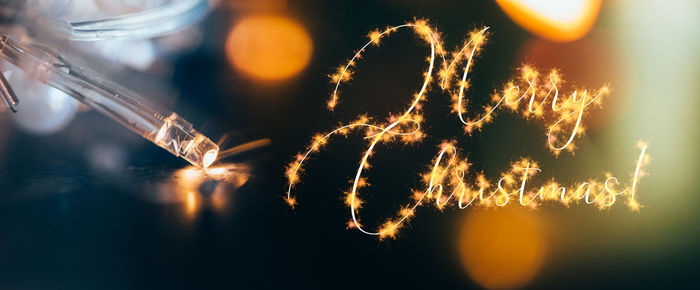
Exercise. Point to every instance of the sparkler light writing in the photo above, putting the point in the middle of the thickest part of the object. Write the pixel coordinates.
(530, 93)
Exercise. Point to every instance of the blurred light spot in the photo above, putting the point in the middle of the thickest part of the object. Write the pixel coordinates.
(191, 203)
(115, 7)
(137, 54)
(556, 20)
(69, 10)
(42, 109)
(661, 41)
(107, 156)
(268, 47)
(218, 201)
(501, 248)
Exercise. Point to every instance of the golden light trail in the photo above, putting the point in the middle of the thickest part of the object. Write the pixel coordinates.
(529, 93)
(244, 147)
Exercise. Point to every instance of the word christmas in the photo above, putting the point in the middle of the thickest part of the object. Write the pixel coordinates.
(529, 93)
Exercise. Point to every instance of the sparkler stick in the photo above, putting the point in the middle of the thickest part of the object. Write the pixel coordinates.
(564, 117)
(165, 129)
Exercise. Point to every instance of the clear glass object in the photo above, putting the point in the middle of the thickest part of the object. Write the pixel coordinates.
(9, 99)
(147, 24)
(165, 129)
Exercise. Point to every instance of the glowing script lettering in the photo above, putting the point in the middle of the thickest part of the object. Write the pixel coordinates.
(532, 94)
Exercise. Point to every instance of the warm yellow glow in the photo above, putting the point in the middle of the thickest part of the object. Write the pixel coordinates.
(191, 203)
(269, 47)
(557, 20)
(244, 147)
(209, 158)
(502, 248)
(187, 182)
(529, 93)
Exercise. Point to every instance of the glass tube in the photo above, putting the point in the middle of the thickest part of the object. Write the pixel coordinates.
(165, 129)
(7, 94)
(146, 24)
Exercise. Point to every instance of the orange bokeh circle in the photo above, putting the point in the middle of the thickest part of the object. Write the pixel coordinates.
(268, 47)
(553, 20)
(501, 248)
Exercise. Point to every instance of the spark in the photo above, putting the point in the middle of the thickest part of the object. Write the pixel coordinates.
(244, 148)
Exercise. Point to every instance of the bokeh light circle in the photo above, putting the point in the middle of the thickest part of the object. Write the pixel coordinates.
(268, 47)
(42, 110)
(501, 248)
(553, 19)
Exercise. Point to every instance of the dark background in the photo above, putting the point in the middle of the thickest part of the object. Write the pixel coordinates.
(64, 225)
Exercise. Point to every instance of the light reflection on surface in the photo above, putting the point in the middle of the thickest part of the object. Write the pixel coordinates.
(196, 189)
(191, 204)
